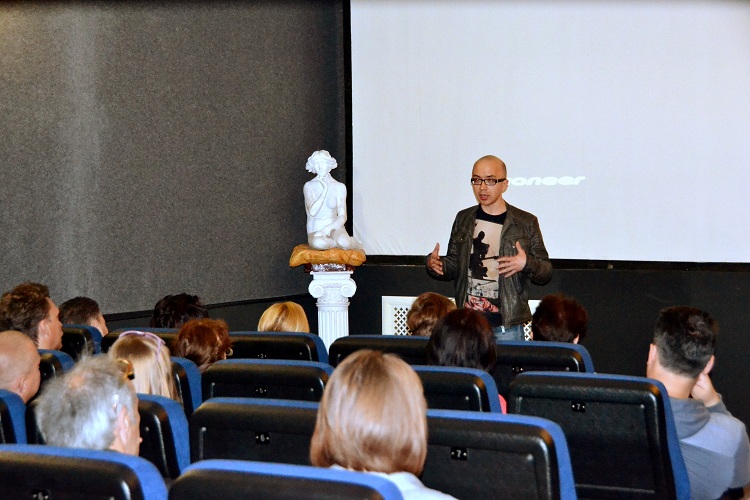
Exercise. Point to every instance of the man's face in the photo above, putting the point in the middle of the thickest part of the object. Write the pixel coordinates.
(50, 329)
(490, 197)
(100, 324)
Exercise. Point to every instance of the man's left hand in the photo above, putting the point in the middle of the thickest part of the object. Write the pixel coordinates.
(508, 266)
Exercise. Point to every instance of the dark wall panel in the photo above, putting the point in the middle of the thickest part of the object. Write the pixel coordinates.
(622, 306)
(153, 148)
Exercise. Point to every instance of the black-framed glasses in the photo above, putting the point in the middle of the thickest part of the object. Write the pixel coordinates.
(476, 181)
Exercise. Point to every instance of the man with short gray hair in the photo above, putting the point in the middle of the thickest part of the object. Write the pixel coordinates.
(93, 406)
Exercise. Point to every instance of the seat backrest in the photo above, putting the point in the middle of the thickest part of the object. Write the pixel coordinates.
(410, 349)
(266, 430)
(452, 388)
(52, 364)
(266, 378)
(167, 334)
(187, 379)
(81, 339)
(36, 471)
(235, 479)
(164, 431)
(279, 345)
(519, 357)
(487, 455)
(619, 429)
(12, 418)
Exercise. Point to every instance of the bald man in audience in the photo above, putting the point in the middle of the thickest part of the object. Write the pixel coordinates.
(19, 364)
(28, 309)
(93, 406)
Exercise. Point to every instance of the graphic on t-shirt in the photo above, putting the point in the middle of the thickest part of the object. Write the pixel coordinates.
(483, 273)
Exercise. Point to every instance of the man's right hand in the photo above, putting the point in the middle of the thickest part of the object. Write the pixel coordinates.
(434, 262)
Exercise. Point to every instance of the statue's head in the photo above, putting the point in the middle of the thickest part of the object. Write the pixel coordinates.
(320, 160)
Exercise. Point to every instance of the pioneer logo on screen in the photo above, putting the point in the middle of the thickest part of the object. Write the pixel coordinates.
(546, 181)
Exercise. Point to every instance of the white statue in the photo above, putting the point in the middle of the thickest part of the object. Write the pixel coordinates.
(325, 203)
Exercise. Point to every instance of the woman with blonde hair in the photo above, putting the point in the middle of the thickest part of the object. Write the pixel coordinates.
(355, 428)
(151, 362)
(284, 317)
(204, 342)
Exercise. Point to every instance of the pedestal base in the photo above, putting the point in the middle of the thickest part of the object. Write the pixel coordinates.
(333, 290)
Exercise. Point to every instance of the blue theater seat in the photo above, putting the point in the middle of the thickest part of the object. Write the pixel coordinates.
(452, 388)
(52, 364)
(279, 345)
(12, 418)
(164, 430)
(39, 472)
(81, 339)
(488, 455)
(620, 431)
(236, 479)
(410, 349)
(187, 380)
(166, 334)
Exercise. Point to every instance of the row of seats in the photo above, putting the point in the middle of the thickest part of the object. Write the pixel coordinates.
(619, 430)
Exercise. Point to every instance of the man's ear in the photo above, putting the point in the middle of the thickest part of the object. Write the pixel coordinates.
(42, 330)
(575, 340)
(653, 353)
(709, 365)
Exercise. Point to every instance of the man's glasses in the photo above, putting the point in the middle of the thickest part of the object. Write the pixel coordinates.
(476, 181)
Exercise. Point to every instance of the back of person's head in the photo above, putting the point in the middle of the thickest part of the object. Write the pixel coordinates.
(151, 362)
(462, 338)
(83, 311)
(558, 318)
(284, 317)
(203, 341)
(685, 339)
(19, 364)
(356, 428)
(24, 308)
(84, 408)
(426, 310)
(174, 310)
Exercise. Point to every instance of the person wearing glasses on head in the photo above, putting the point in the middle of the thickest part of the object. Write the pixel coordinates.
(494, 251)
(151, 361)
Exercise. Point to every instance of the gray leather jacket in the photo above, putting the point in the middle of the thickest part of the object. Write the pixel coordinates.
(519, 226)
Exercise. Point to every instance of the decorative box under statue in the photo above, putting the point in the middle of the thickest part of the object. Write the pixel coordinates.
(331, 254)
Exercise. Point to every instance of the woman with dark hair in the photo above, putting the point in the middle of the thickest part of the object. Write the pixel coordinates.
(174, 310)
(203, 341)
(558, 318)
(463, 338)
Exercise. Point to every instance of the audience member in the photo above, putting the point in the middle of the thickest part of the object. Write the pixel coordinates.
(83, 311)
(356, 428)
(93, 406)
(426, 310)
(151, 361)
(203, 341)
(462, 338)
(28, 309)
(714, 444)
(284, 317)
(174, 310)
(558, 318)
(19, 364)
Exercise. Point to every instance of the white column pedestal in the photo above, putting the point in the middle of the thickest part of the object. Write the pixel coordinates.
(333, 290)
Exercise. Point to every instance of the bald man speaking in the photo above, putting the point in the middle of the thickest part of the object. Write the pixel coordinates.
(19, 364)
(494, 251)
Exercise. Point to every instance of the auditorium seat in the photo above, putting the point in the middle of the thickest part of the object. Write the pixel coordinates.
(486, 455)
(279, 345)
(12, 418)
(452, 388)
(266, 430)
(266, 378)
(48, 472)
(167, 334)
(619, 429)
(52, 364)
(164, 431)
(81, 339)
(410, 349)
(272, 481)
(187, 379)
(519, 357)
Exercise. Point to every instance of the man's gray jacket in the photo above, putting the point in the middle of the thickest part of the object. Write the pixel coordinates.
(519, 226)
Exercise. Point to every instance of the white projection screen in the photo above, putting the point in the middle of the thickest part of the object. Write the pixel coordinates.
(625, 125)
